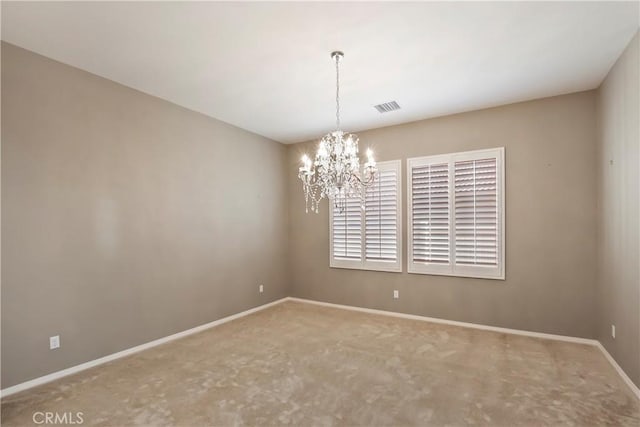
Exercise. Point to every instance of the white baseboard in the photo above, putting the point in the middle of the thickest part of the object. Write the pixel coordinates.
(453, 322)
(620, 371)
(78, 368)
(625, 377)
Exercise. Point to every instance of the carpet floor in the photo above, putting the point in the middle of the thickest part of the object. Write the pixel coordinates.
(301, 364)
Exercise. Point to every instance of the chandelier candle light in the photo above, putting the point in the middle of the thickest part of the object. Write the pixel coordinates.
(335, 172)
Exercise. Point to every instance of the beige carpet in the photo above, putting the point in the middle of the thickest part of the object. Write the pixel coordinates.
(299, 364)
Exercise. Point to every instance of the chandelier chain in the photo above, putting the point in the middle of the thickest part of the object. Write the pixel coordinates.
(337, 57)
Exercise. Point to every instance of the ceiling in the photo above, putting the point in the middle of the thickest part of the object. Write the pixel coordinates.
(265, 66)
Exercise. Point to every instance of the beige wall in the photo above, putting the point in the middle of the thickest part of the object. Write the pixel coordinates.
(618, 212)
(123, 219)
(550, 154)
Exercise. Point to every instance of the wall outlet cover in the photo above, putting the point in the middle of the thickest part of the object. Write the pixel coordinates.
(54, 342)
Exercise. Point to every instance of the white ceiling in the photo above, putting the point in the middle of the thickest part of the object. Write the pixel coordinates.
(265, 67)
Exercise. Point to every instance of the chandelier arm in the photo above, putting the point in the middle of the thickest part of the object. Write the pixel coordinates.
(367, 181)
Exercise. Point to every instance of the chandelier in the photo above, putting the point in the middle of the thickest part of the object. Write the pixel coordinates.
(335, 172)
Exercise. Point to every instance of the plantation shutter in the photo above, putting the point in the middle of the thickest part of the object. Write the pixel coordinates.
(476, 212)
(430, 213)
(370, 238)
(381, 217)
(347, 231)
(456, 214)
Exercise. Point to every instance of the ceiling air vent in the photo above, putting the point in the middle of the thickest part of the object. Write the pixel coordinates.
(387, 106)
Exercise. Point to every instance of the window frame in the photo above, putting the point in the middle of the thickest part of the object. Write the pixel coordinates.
(451, 269)
(363, 264)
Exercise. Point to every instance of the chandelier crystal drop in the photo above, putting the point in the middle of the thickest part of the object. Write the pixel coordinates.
(335, 172)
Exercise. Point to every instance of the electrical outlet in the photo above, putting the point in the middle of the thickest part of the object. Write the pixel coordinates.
(396, 294)
(613, 331)
(261, 288)
(54, 342)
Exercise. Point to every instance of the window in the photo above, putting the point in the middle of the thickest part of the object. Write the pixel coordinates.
(456, 214)
(370, 238)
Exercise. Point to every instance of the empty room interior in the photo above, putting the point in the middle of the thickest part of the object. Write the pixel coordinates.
(317, 214)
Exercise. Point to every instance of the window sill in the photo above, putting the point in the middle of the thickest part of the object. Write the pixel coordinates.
(381, 268)
(500, 277)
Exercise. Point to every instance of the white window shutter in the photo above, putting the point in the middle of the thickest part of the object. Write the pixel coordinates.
(381, 217)
(370, 238)
(456, 214)
(476, 212)
(430, 213)
(347, 231)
